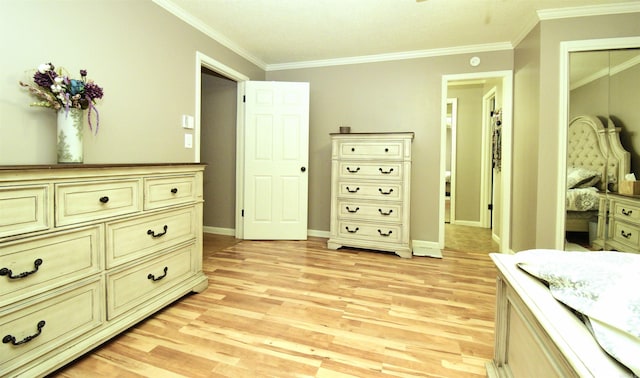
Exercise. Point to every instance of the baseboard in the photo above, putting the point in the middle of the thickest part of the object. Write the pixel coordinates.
(232, 232)
(219, 231)
(426, 248)
(467, 223)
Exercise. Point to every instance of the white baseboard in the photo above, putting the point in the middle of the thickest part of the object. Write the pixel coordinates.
(219, 231)
(232, 232)
(467, 223)
(426, 248)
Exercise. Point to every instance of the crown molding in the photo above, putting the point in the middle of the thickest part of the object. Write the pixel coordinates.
(590, 10)
(416, 54)
(195, 22)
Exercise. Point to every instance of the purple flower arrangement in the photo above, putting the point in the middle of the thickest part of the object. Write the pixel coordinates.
(58, 91)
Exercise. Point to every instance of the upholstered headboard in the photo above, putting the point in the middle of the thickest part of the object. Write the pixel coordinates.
(592, 146)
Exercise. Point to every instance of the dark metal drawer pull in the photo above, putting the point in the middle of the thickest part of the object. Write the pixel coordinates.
(353, 190)
(154, 235)
(386, 150)
(387, 234)
(387, 213)
(353, 170)
(11, 339)
(352, 231)
(626, 212)
(385, 193)
(174, 190)
(625, 235)
(352, 211)
(104, 199)
(385, 172)
(9, 272)
(154, 278)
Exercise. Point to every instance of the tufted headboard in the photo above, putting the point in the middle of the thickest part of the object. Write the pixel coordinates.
(592, 146)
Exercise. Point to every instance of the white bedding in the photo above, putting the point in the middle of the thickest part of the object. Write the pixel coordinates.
(603, 286)
(582, 199)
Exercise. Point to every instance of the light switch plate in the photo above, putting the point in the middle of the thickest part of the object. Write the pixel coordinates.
(188, 141)
(187, 121)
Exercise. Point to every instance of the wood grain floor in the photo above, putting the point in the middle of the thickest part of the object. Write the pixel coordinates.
(297, 309)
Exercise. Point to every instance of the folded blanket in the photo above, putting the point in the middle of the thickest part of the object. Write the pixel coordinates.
(603, 286)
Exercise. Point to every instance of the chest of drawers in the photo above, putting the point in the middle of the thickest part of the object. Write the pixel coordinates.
(371, 191)
(623, 223)
(86, 251)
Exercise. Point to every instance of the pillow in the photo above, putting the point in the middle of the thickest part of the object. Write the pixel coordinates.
(582, 177)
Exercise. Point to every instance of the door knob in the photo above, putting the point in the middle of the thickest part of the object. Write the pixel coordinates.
(302, 169)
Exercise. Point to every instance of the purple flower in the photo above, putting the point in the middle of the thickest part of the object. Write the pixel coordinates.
(83, 73)
(44, 79)
(92, 90)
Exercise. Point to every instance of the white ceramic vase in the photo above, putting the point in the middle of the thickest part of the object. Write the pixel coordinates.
(70, 129)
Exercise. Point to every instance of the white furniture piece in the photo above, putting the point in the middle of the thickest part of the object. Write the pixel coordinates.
(623, 223)
(537, 336)
(87, 251)
(371, 191)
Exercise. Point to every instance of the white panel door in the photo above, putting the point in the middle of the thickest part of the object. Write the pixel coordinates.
(276, 160)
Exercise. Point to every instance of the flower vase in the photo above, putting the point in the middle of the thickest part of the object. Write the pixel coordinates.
(70, 129)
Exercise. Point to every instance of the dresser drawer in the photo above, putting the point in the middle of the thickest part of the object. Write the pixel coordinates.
(132, 286)
(42, 263)
(626, 211)
(372, 232)
(377, 171)
(626, 233)
(134, 238)
(49, 324)
(379, 191)
(166, 191)
(370, 150)
(24, 209)
(371, 211)
(88, 201)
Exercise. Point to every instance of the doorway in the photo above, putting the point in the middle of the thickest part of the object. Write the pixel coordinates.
(476, 186)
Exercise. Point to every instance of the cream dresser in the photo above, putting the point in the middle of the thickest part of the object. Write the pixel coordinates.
(370, 191)
(623, 223)
(86, 251)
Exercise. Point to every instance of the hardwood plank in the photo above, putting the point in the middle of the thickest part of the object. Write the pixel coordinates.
(295, 308)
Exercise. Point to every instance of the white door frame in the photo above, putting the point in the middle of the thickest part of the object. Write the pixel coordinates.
(566, 48)
(486, 168)
(203, 60)
(507, 116)
(453, 157)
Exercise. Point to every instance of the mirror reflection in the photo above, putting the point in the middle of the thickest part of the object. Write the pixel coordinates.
(603, 201)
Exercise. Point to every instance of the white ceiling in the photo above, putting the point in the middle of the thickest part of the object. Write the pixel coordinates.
(277, 33)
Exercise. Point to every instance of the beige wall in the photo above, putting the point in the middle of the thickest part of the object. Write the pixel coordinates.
(535, 129)
(468, 151)
(526, 108)
(218, 141)
(386, 96)
(141, 55)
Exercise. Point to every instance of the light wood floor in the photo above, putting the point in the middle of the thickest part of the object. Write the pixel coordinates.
(296, 309)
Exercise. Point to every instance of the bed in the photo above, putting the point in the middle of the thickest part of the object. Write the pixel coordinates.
(540, 333)
(596, 161)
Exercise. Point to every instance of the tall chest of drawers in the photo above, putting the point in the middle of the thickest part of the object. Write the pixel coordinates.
(371, 191)
(86, 251)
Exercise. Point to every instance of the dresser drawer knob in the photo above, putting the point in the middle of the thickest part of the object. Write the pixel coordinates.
(11, 339)
(385, 193)
(625, 235)
(353, 190)
(383, 234)
(154, 278)
(9, 272)
(352, 231)
(387, 213)
(353, 211)
(385, 172)
(386, 150)
(154, 235)
(104, 199)
(353, 170)
(626, 212)
(174, 190)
